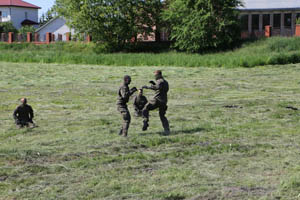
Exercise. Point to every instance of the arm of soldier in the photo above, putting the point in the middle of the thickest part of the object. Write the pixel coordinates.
(31, 113)
(15, 114)
(132, 90)
(157, 86)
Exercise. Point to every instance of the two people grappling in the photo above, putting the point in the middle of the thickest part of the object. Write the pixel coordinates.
(159, 101)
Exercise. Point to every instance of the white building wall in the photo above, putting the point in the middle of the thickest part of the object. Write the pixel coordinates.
(5, 12)
(57, 26)
(18, 15)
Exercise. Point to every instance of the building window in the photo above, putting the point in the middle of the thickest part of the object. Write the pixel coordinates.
(255, 22)
(26, 15)
(266, 20)
(244, 22)
(288, 20)
(277, 20)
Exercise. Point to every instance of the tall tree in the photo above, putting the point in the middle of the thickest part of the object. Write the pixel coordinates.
(45, 18)
(114, 22)
(200, 25)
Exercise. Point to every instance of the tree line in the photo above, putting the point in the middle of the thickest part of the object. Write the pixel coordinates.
(194, 25)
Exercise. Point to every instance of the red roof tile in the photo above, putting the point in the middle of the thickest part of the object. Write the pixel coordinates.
(17, 3)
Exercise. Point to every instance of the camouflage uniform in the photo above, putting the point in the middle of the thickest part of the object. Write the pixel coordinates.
(123, 98)
(23, 115)
(160, 100)
(139, 103)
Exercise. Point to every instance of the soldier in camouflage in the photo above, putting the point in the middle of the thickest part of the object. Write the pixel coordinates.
(23, 115)
(160, 100)
(139, 103)
(123, 98)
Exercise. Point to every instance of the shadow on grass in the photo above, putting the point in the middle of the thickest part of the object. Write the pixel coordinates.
(179, 132)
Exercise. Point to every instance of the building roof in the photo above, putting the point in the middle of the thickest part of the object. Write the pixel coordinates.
(28, 22)
(49, 22)
(17, 3)
(270, 5)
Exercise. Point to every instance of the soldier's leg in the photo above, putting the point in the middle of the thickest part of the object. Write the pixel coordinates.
(18, 124)
(120, 109)
(149, 106)
(126, 122)
(162, 114)
(31, 125)
(137, 113)
(26, 124)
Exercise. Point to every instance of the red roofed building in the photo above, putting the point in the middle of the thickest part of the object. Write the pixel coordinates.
(19, 12)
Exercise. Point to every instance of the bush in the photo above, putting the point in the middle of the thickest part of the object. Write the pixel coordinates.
(25, 29)
(6, 27)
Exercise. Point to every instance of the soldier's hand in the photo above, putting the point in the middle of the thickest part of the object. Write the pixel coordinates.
(152, 82)
(133, 90)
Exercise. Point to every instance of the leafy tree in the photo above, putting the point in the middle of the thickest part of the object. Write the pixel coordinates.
(113, 22)
(25, 29)
(6, 27)
(201, 25)
(42, 19)
(45, 18)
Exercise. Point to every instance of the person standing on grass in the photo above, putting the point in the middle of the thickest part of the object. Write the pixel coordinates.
(139, 103)
(23, 115)
(160, 100)
(123, 98)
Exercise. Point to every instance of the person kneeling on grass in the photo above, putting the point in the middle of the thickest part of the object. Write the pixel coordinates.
(23, 115)
(139, 103)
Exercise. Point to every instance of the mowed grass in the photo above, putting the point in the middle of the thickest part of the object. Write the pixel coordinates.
(232, 135)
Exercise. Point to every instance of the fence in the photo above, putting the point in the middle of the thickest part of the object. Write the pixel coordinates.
(35, 38)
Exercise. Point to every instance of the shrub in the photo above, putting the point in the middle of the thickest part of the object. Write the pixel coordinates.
(6, 27)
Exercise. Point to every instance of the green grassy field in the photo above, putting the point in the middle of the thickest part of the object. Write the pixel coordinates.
(232, 135)
(271, 51)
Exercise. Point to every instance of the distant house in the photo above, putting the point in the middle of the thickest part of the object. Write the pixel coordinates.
(281, 15)
(20, 13)
(55, 26)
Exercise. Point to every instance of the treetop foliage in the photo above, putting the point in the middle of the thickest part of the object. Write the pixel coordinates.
(114, 22)
(199, 25)
(195, 25)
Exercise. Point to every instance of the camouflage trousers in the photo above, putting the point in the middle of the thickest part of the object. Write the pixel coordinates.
(126, 119)
(22, 123)
(152, 105)
(138, 113)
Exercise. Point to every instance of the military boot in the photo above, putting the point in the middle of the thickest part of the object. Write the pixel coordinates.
(125, 134)
(145, 126)
(121, 132)
(167, 132)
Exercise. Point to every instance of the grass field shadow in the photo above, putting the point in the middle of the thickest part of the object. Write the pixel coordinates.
(188, 131)
(179, 132)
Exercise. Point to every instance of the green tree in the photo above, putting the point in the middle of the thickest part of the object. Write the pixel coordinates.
(42, 19)
(25, 29)
(6, 27)
(45, 18)
(201, 25)
(113, 22)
